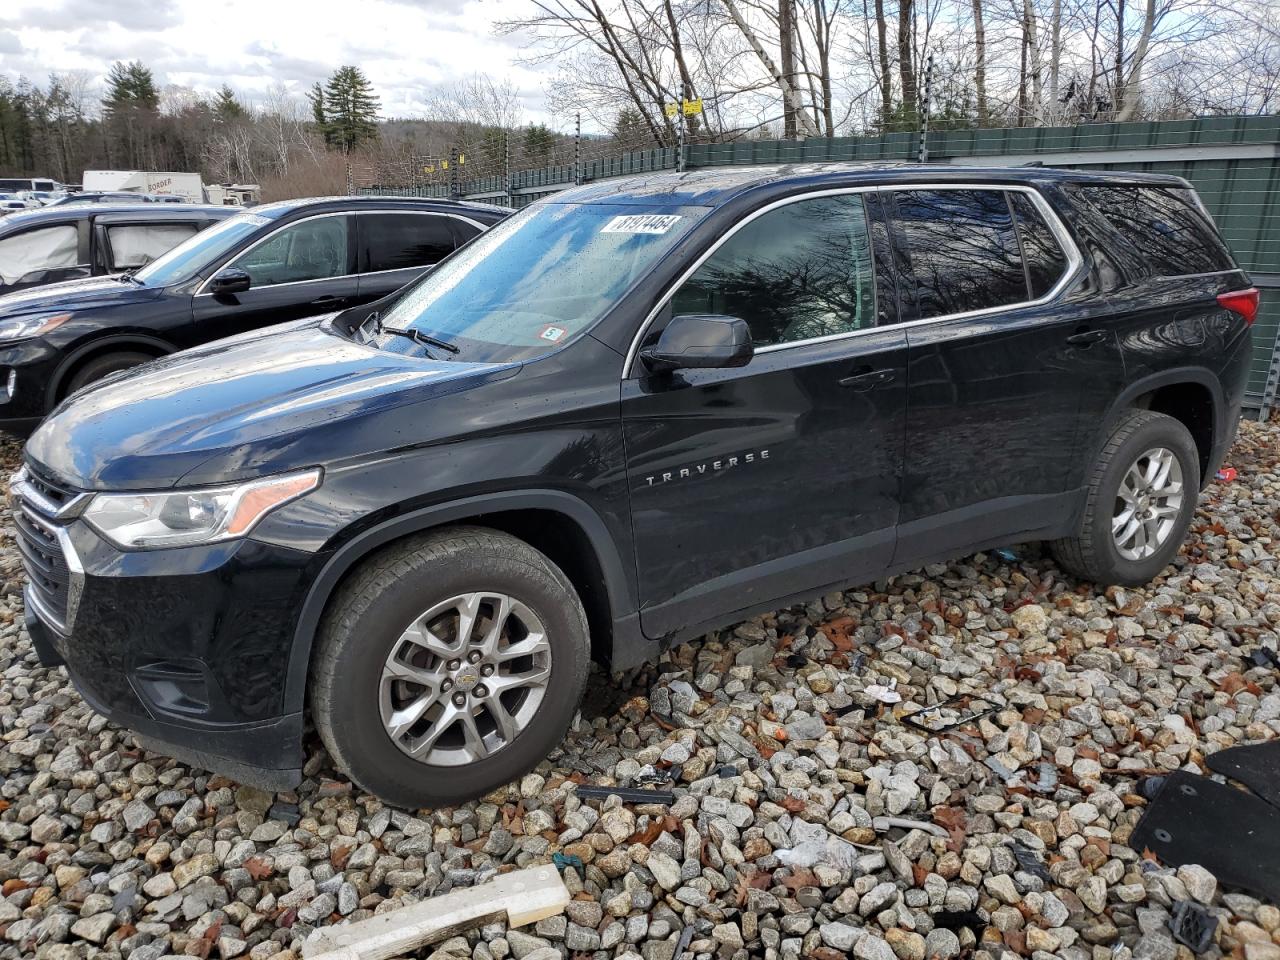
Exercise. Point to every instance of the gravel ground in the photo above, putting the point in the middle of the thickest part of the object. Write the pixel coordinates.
(783, 763)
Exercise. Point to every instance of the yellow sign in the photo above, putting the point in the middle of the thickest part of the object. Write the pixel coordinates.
(692, 107)
(428, 169)
(670, 109)
(462, 158)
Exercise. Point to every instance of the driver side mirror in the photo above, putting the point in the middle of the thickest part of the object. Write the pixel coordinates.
(228, 281)
(700, 341)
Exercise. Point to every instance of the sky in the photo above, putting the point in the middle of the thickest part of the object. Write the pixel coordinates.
(405, 47)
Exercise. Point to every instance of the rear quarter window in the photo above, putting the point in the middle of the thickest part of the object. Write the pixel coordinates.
(1163, 226)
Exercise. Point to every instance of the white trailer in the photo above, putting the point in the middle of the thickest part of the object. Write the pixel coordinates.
(188, 186)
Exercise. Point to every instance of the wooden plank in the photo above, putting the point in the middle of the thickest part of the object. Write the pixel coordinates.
(524, 896)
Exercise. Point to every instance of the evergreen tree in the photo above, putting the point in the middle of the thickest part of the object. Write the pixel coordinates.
(130, 111)
(539, 141)
(630, 129)
(350, 109)
(226, 107)
(316, 98)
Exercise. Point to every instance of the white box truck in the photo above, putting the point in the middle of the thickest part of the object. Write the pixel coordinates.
(188, 186)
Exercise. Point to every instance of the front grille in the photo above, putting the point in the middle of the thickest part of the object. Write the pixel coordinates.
(37, 499)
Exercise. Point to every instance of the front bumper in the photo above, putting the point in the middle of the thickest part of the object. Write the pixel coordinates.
(26, 369)
(189, 647)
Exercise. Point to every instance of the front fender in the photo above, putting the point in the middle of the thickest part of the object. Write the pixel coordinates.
(618, 585)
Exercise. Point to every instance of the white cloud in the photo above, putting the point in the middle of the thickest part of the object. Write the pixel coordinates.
(405, 47)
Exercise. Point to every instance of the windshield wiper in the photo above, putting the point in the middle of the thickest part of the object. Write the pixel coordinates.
(417, 336)
(128, 277)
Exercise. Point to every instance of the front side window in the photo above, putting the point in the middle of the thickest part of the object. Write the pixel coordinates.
(1165, 227)
(537, 280)
(309, 250)
(25, 255)
(963, 249)
(799, 272)
(396, 241)
(135, 245)
(206, 248)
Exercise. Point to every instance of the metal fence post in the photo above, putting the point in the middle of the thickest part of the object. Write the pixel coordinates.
(922, 154)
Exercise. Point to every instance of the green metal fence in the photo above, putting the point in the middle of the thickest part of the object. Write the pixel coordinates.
(1234, 163)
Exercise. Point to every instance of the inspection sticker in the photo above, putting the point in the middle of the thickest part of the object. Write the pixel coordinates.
(553, 333)
(642, 223)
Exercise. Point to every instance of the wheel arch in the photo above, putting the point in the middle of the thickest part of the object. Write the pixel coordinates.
(1182, 393)
(95, 348)
(560, 525)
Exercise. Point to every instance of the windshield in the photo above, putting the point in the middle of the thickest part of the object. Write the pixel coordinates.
(191, 256)
(537, 280)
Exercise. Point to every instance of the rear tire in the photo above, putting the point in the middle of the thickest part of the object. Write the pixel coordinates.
(1141, 497)
(98, 367)
(396, 674)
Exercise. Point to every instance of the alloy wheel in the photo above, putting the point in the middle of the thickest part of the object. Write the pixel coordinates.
(465, 678)
(1147, 504)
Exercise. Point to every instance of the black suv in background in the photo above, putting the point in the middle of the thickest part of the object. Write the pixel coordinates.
(625, 416)
(283, 261)
(53, 244)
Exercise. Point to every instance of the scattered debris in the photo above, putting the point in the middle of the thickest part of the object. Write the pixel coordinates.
(628, 794)
(568, 861)
(796, 660)
(881, 824)
(878, 691)
(1262, 657)
(682, 945)
(1000, 770)
(1030, 861)
(1256, 765)
(1047, 781)
(1230, 832)
(1226, 475)
(523, 896)
(954, 712)
(287, 813)
(959, 919)
(1192, 925)
(1006, 554)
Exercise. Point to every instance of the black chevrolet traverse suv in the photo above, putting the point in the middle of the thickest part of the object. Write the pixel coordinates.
(292, 259)
(627, 415)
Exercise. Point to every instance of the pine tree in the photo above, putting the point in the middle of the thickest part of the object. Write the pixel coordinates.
(226, 108)
(539, 141)
(316, 97)
(630, 129)
(130, 111)
(350, 109)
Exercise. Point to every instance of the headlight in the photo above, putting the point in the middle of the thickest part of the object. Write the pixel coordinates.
(24, 327)
(179, 518)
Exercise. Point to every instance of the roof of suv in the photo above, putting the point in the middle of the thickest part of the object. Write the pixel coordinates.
(281, 208)
(714, 186)
(142, 211)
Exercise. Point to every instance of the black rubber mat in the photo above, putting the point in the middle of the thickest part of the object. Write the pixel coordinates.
(1256, 765)
(1231, 833)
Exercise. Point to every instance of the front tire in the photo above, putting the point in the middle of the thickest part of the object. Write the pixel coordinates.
(98, 367)
(1141, 497)
(448, 665)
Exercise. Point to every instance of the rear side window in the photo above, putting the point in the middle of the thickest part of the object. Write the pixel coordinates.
(1041, 252)
(135, 245)
(25, 254)
(963, 248)
(799, 272)
(396, 241)
(1164, 226)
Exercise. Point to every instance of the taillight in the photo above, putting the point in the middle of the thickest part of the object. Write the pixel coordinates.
(1243, 302)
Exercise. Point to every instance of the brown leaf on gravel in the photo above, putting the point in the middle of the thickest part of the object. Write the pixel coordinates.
(339, 857)
(919, 873)
(954, 821)
(794, 804)
(259, 869)
(800, 878)
(1033, 715)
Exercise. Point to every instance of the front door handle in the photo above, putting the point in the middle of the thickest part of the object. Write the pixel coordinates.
(865, 379)
(1087, 338)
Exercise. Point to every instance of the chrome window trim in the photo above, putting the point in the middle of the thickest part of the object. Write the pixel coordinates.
(339, 213)
(1074, 262)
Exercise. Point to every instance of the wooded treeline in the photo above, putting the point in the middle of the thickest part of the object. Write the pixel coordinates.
(761, 68)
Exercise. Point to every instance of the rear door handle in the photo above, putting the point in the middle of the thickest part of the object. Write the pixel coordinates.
(1087, 338)
(867, 379)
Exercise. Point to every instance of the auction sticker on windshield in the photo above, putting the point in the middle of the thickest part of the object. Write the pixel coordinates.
(642, 223)
(553, 333)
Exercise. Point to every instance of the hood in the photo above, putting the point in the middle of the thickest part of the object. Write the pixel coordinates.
(285, 398)
(75, 295)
